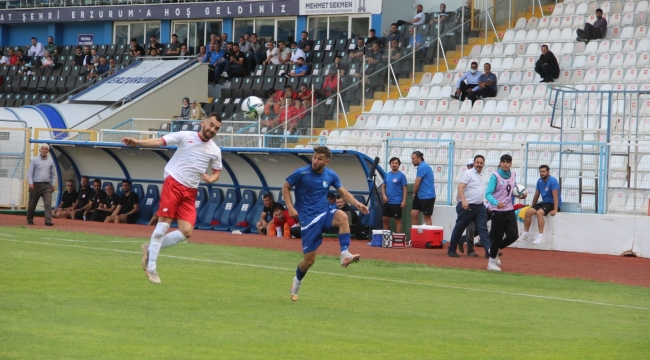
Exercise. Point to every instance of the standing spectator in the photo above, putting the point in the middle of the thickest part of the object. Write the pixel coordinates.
(300, 70)
(267, 213)
(51, 46)
(98, 198)
(272, 54)
(466, 13)
(393, 34)
(186, 112)
(595, 31)
(40, 178)
(471, 77)
(13, 58)
(284, 52)
(419, 18)
(174, 48)
(79, 57)
(184, 54)
(68, 199)
(256, 48)
(36, 48)
(547, 66)
(504, 222)
(244, 45)
(305, 44)
(155, 45)
(196, 111)
(549, 188)
(127, 209)
(444, 17)
(136, 49)
(107, 206)
(22, 58)
(424, 192)
(84, 194)
(394, 190)
(332, 83)
(372, 37)
(470, 209)
(235, 63)
(202, 55)
(487, 85)
(213, 40)
(283, 224)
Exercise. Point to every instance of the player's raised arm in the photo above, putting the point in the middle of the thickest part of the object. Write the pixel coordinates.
(350, 199)
(146, 143)
(286, 195)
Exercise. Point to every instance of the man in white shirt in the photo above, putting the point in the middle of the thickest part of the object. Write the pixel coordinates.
(185, 170)
(472, 76)
(272, 54)
(417, 20)
(4, 60)
(296, 53)
(470, 208)
(36, 48)
(284, 52)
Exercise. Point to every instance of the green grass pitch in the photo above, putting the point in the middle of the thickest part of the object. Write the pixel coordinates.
(67, 295)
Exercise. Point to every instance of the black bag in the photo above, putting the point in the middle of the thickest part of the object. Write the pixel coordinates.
(363, 233)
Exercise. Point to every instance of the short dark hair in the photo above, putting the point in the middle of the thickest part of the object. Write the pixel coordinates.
(394, 159)
(70, 181)
(544, 45)
(126, 181)
(331, 196)
(506, 158)
(85, 177)
(267, 196)
(479, 156)
(33, 38)
(134, 39)
(393, 24)
(599, 10)
(418, 154)
(215, 115)
(288, 87)
(277, 207)
(97, 181)
(473, 63)
(154, 36)
(337, 57)
(174, 35)
(323, 150)
(373, 30)
(304, 32)
(293, 43)
(338, 196)
(78, 47)
(545, 167)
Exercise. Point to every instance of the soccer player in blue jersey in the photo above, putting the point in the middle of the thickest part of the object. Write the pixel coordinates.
(312, 183)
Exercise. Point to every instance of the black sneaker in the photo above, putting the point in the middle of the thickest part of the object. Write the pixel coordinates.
(461, 247)
(30, 222)
(472, 253)
(452, 254)
(49, 224)
(455, 97)
(550, 81)
(543, 81)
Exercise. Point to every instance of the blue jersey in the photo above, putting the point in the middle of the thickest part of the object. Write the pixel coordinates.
(546, 188)
(311, 191)
(426, 189)
(395, 183)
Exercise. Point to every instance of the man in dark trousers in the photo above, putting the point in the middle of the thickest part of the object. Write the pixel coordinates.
(84, 194)
(487, 85)
(547, 66)
(40, 178)
(595, 31)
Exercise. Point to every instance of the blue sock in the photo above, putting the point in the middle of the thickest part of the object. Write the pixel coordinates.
(344, 241)
(300, 274)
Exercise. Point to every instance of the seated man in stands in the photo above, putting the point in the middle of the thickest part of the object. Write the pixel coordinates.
(393, 34)
(102, 68)
(201, 56)
(174, 48)
(127, 209)
(285, 112)
(67, 204)
(358, 52)
(300, 112)
(79, 57)
(154, 44)
(416, 42)
(98, 198)
(377, 54)
(45, 61)
(235, 63)
(283, 225)
(331, 198)
(284, 53)
(305, 44)
(419, 18)
(344, 206)
(280, 97)
(272, 54)
(444, 18)
(395, 51)
(487, 85)
(112, 67)
(305, 95)
(184, 54)
(296, 53)
(13, 58)
(547, 66)
(372, 78)
(51, 46)
(372, 37)
(22, 58)
(464, 13)
(154, 54)
(36, 48)
(216, 59)
(84, 194)
(332, 83)
(300, 70)
(111, 199)
(595, 31)
(136, 49)
(244, 45)
(267, 213)
(467, 82)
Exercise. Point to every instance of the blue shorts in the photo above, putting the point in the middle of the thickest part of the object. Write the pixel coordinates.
(312, 231)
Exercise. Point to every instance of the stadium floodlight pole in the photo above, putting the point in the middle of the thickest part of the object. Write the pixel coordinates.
(363, 82)
(311, 106)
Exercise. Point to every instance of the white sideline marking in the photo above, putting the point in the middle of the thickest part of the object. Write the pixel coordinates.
(344, 275)
(6, 235)
(93, 241)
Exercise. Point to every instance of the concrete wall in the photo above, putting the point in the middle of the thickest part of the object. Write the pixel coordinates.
(587, 233)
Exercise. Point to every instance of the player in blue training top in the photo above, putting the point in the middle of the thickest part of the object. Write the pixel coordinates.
(312, 184)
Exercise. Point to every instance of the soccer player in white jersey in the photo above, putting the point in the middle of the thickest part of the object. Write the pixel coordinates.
(196, 152)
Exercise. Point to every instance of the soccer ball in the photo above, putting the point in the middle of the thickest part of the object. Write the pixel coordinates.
(252, 107)
(520, 191)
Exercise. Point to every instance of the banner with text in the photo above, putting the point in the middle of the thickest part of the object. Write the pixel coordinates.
(316, 7)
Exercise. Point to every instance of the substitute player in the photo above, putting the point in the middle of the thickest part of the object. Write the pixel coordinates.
(312, 184)
(196, 152)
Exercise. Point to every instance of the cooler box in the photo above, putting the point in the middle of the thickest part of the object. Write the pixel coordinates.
(377, 236)
(426, 236)
(399, 241)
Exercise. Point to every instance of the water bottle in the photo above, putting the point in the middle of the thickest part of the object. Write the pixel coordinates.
(13, 205)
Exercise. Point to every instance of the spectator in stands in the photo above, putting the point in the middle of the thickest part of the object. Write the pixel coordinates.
(224, 38)
(272, 54)
(274, 101)
(284, 53)
(4, 60)
(372, 37)
(359, 51)
(216, 59)
(424, 192)
(228, 47)
(68, 198)
(102, 68)
(51, 46)
(444, 17)
(376, 53)
(244, 46)
(300, 70)
(305, 44)
(186, 112)
(283, 225)
(416, 42)
(127, 209)
(267, 213)
(235, 64)
(352, 212)
(393, 34)
(247, 36)
(48, 61)
(26, 70)
(40, 178)
(395, 51)
(201, 56)
(79, 57)
(287, 111)
(94, 56)
(257, 49)
(184, 54)
(465, 12)
(394, 191)
(549, 188)
(595, 31)
(22, 58)
(196, 111)
(301, 111)
(305, 94)
(467, 82)
(136, 49)
(419, 18)
(174, 48)
(112, 67)
(107, 206)
(153, 55)
(547, 66)
(213, 39)
(296, 53)
(331, 198)
(98, 197)
(13, 58)
(36, 48)
(154, 44)
(337, 64)
(332, 83)
(84, 194)
(371, 78)
(487, 85)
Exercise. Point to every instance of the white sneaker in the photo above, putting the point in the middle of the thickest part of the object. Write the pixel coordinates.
(540, 239)
(295, 287)
(497, 261)
(153, 276)
(524, 237)
(492, 266)
(347, 258)
(224, 75)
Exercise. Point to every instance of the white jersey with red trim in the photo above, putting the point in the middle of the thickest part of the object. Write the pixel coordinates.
(192, 158)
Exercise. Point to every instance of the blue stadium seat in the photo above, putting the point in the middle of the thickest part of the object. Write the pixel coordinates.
(138, 189)
(147, 204)
(208, 213)
(225, 213)
(366, 220)
(243, 211)
(118, 190)
(254, 216)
